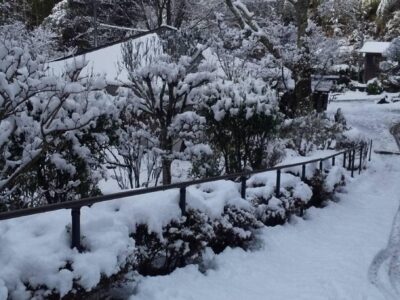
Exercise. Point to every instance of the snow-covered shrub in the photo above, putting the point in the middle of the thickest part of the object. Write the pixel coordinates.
(132, 147)
(48, 127)
(39, 41)
(391, 67)
(272, 210)
(183, 241)
(235, 228)
(163, 90)
(352, 138)
(241, 123)
(374, 88)
(312, 132)
(207, 166)
(392, 28)
(324, 185)
(180, 243)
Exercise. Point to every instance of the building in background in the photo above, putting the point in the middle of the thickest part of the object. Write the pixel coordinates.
(374, 53)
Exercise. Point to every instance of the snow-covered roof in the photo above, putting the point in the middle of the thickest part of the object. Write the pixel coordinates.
(106, 60)
(375, 47)
(322, 85)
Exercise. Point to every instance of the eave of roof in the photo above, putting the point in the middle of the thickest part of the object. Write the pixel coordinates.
(375, 47)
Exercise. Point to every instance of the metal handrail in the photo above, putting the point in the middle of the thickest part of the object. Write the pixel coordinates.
(76, 205)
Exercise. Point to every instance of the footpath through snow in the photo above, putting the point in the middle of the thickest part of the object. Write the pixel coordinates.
(326, 256)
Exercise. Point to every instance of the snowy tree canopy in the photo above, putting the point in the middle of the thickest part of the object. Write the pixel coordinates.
(40, 114)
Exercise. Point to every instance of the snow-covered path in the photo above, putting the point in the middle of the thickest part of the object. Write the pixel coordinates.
(325, 256)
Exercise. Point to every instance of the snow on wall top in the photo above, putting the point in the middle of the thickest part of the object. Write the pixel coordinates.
(104, 61)
(375, 47)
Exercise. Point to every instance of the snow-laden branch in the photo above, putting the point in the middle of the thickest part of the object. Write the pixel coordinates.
(385, 6)
(247, 22)
(40, 113)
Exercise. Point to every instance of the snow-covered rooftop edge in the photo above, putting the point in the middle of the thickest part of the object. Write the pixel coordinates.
(375, 47)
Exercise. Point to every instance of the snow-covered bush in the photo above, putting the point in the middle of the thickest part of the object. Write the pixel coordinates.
(183, 241)
(146, 234)
(374, 88)
(163, 90)
(323, 185)
(272, 210)
(391, 67)
(312, 132)
(340, 17)
(241, 122)
(235, 228)
(132, 147)
(352, 138)
(39, 41)
(46, 124)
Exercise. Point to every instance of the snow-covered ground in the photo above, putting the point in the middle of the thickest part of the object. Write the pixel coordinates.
(326, 256)
(374, 120)
(357, 96)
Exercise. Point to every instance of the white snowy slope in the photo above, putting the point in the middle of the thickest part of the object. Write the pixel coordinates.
(326, 256)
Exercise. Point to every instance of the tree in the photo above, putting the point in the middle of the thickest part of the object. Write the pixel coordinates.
(301, 66)
(341, 17)
(287, 35)
(30, 12)
(391, 67)
(163, 89)
(47, 124)
(39, 41)
(85, 23)
(385, 7)
(131, 147)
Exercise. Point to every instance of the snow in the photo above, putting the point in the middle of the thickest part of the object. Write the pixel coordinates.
(357, 96)
(335, 175)
(268, 180)
(105, 61)
(36, 249)
(375, 47)
(325, 256)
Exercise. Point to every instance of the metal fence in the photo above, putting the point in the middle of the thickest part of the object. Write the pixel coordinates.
(349, 158)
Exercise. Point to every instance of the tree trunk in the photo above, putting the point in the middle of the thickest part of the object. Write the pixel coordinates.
(302, 70)
(166, 145)
(302, 89)
(166, 171)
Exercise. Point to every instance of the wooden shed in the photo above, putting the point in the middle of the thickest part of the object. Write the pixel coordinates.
(374, 53)
(321, 87)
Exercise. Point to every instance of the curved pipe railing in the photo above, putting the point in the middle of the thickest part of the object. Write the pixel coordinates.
(349, 158)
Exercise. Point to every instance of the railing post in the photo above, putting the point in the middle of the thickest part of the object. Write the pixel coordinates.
(76, 228)
(243, 187)
(303, 172)
(361, 155)
(182, 200)
(321, 165)
(350, 158)
(333, 161)
(352, 162)
(278, 183)
(344, 160)
(370, 150)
